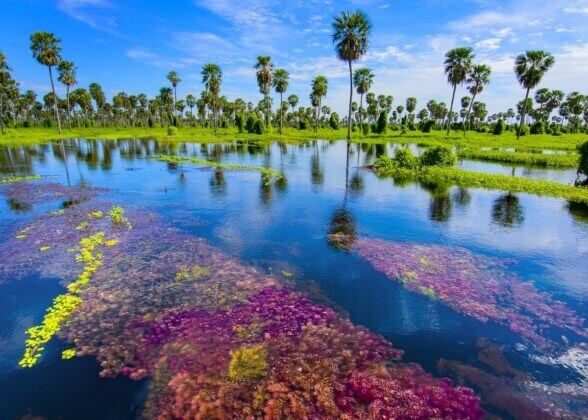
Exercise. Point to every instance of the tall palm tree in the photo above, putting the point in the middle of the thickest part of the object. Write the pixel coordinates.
(265, 77)
(175, 80)
(212, 78)
(191, 102)
(67, 76)
(45, 47)
(411, 104)
(362, 80)
(477, 78)
(529, 69)
(280, 82)
(351, 33)
(458, 63)
(319, 88)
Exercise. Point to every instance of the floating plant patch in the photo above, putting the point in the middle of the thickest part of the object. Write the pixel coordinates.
(472, 284)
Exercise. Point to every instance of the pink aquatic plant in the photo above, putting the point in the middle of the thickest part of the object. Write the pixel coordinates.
(472, 284)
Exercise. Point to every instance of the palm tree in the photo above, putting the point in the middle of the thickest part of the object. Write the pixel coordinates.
(411, 104)
(45, 47)
(265, 77)
(362, 80)
(351, 33)
(212, 78)
(458, 62)
(477, 78)
(191, 102)
(529, 69)
(67, 76)
(6, 82)
(281, 80)
(319, 90)
(175, 80)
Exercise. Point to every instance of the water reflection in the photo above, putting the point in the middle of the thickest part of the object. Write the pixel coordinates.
(507, 211)
(440, 208)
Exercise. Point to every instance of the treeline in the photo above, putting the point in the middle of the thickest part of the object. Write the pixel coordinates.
(547, 111)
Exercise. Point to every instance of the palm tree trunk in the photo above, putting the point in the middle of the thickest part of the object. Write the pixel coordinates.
(523, 114)
(360, 111)
(281, 112)
(350, 99)
(54, 100)
(450, 110)
(467, 121)
(68, 107)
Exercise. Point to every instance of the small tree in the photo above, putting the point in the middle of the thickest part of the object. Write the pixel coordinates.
(334, 121)
(382, 124)
(583, 166)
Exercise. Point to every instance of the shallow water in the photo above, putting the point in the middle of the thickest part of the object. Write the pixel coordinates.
(283, 228)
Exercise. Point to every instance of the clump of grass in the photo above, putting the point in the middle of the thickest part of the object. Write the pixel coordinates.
(268, 172)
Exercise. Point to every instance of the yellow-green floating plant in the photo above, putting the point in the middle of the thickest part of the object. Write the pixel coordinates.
(13, 179)
(64, 305)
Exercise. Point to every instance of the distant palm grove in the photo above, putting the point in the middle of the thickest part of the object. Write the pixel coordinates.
(539, 111)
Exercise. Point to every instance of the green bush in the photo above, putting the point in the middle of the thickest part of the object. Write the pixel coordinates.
(583, 166)
(365, 129)
(172, 131)
(538, 128)
(524, 130)
(498, 127)
(249, 123)
(438, 156)
(258, 127)
(404, 158)
(302, 125)
(240, 122)
(334, 121)
(382, 124)
(427, 126)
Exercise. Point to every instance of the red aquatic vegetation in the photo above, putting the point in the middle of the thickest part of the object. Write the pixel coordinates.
(472, 284)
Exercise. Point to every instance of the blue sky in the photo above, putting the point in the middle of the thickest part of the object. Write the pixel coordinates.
(131, 45)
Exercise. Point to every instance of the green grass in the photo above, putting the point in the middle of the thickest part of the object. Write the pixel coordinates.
(13, 179)
(469, 179)
(268, 172)
(568, 160)
(471, 146)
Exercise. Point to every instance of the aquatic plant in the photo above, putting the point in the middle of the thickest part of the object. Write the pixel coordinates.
(63, 305)
(268, 172)
(248, 362)
(14, 179)
(117, 216)
(205, 326)
(472, 284)
(36, 193)
(68, 354)
(386, 167)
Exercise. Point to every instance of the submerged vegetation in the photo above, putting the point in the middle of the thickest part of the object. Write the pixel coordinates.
(13, 179)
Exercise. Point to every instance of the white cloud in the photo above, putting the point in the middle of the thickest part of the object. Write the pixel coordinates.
(388, 53)
(489, 44)
(575, 10)
(93, 13)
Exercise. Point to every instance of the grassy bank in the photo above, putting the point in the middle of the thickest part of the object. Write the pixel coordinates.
(469, 179)
(471, 147)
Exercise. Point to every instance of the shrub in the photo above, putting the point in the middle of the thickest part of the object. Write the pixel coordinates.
(240, 122)
(365, 129)
(538, 128)
(404, 158)
(258, 127)
(498, 127)
(382, 124)
(583, 166)
(334, 121)
(524, 130)
(302, 125)
(249, 123)
(427, 126)
(172, 131)
(438, 156)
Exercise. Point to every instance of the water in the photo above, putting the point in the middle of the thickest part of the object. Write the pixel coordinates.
(283, 228)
